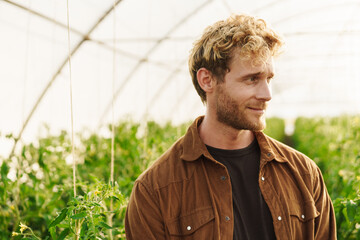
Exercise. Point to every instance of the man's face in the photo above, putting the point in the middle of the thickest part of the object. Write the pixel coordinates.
(242, 98)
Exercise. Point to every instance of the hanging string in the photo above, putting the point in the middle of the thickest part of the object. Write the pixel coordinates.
(112, 183)
(71, 102)
(72, 118)
(26, 63)
(146, 115)
(112, 99)
(21, 158)
(178, 115)
(53, 37)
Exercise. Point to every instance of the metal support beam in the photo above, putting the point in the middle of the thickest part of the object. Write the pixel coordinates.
(60, 68)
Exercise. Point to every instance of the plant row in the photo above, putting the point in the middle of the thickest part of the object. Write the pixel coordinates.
(36, 189)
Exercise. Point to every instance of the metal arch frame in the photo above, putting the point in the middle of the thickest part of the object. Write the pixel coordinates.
(62, 65)
(85, 36)
(147, 54)
(267, 5)
(309, 11)
(338, 34)
(227, 6)
(173, 73)
(43, 16)
(182, 96)
(229, 9)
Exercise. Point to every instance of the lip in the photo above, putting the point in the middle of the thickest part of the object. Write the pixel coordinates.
(257, 110)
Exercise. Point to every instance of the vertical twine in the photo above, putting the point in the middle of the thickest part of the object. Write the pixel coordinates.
(21, 158)
(72, 118)
(112, 100)
(112, 121)
(71, 102)
(146, 115)
(26, 64)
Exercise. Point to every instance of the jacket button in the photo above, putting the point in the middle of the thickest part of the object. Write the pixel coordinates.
(303, 216)
(279, 218)
(227, 218)
(262, 179)
(223, 178)
(188, 228)
(269, 154)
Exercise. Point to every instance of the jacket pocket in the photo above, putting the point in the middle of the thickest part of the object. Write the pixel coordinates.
(304, 211)
(192, 223)
(302, 220)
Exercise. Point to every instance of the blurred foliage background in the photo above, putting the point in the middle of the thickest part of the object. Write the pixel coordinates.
(36, 191)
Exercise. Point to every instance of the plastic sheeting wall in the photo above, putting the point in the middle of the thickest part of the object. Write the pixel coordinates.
(318, 74)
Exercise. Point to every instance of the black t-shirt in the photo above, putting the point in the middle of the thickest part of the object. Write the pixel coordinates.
(252, 217)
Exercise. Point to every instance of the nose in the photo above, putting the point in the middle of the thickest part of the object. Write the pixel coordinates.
(264, 91)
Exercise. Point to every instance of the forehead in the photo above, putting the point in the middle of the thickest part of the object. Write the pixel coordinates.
(247, 66)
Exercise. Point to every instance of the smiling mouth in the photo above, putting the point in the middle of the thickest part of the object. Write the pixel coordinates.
(260, 109)
(257, 110)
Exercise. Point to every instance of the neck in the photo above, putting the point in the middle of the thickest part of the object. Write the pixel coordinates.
(219, 135)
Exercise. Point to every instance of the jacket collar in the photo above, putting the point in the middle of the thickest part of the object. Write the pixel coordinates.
(194, 148)
(268, 149)
(193, 145)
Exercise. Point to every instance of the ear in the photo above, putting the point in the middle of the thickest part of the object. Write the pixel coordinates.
(205, 80)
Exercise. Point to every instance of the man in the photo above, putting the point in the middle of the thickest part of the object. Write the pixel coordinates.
(225, 179)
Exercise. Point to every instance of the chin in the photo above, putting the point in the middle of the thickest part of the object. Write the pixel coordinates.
(257, 124)
(257, 128)
(249, 125)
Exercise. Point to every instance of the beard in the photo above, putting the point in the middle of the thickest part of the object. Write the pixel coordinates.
(232, 114)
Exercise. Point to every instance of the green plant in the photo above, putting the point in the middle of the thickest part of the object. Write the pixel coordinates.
(333, 143)
(275, 128)
(88, 216)
(36, 185)
(36, 194)
(348, 217)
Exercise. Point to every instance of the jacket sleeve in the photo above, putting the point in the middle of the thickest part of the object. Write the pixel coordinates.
(143, 218)
(325, 224)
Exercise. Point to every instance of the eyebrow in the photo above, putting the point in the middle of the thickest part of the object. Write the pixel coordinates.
(257, 74)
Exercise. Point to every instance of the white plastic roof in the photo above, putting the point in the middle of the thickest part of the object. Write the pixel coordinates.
(318, 74)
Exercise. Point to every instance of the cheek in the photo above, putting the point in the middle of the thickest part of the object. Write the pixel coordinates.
(241, 90)
(241, 97)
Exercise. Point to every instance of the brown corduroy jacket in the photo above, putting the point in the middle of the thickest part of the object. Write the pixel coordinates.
(186, 194)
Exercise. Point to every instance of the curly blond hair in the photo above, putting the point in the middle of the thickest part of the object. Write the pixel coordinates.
(254, 39)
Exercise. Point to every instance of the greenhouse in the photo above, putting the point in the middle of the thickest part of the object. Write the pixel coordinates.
(93, 92)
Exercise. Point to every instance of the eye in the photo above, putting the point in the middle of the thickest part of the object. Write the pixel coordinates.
(253, 79)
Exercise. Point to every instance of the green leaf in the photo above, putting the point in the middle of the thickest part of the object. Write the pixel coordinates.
(351, 210)
(115, 198)
(63, 234)
(9, 135)
(4, 170)
(84, 229)
(344, 211)
(79, 215)
(104, 225)
(41, 159)
(63, 225)
(95, 204)
(23, 152)
(53, 233)
(59, 218)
